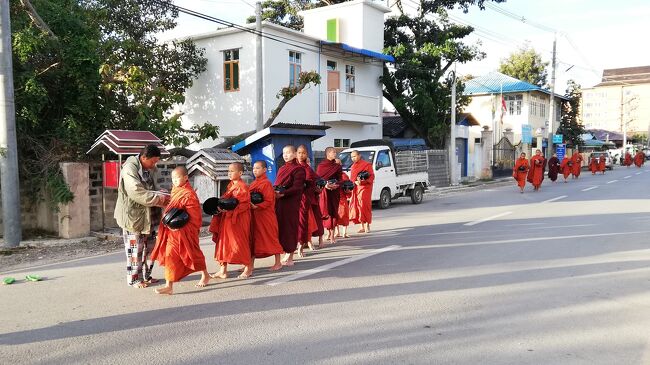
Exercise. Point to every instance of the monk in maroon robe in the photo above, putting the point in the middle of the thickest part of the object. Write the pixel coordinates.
(329, 170)
(291, 176)
(308, 223)
(553, 167)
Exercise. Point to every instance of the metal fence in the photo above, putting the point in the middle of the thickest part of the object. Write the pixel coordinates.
(435, 162)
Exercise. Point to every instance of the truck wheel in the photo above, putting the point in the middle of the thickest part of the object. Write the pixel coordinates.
(384, 199)
(417, 194)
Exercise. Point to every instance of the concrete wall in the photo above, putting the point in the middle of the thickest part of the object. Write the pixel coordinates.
(602, 107)
(359, 22)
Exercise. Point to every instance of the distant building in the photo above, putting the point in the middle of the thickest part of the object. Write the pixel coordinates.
(623, 96)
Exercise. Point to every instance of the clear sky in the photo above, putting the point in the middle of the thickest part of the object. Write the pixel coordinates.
(593, 34)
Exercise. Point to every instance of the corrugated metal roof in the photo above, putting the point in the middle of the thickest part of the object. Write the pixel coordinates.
(122, 142)
(360, 51)
(496, 82)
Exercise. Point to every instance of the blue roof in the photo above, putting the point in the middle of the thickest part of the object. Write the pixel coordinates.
(361, 51)
(496, 83)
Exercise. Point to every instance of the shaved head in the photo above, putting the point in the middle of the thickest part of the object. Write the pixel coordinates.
(181, 171)
(238, 166)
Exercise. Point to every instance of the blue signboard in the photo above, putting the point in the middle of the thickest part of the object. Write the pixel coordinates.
(560, 150)
(526, 133)
(557, 138)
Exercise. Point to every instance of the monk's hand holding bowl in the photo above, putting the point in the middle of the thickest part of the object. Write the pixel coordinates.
(358, 182)
(253, 206)
(331, 186)
(278, 195)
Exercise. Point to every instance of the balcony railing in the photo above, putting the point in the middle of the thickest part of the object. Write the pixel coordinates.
(350, 103)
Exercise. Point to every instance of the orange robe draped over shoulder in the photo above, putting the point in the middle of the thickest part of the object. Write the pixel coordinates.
(520, 176)
(287, 208)
(565, 167)
(601, 164)
(264, 223)
(593, 165)
(536, 172)
(577, 164)
(233, 244)
(639, 159)
(361, 202)
(627, 161)
(178, 250)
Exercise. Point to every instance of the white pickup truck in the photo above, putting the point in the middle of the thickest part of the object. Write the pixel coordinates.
(402, 174)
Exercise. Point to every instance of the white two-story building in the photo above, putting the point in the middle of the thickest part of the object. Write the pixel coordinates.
(342, 42)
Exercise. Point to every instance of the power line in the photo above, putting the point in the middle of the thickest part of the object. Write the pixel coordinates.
(520, 18)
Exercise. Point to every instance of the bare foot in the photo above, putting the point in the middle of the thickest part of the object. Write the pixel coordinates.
(203, 282)
(275, 267)
(287, 263)
(165, 290)
(219, 275)
(301, 251)
(361, 231)
(140, 285)
(151, 281)
(347, 236)
(311, 246)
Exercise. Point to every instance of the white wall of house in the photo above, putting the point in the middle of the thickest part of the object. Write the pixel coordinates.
(603, 107)
(347, 130)
(361, 23)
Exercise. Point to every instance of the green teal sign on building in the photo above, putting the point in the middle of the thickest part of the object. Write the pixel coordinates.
(557, 138)
(333, 30)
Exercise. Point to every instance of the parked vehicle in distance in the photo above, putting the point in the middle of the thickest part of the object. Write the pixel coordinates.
(397, 175)
(609, 164)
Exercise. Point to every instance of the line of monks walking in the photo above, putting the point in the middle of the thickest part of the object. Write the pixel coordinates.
(533, 171)
(300, 206)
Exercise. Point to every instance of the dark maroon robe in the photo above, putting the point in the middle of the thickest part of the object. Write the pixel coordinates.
(553, 168)
(287, 208)
(309, 205)
(329, 199)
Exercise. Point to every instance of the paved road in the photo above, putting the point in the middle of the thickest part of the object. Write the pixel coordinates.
(490, 277)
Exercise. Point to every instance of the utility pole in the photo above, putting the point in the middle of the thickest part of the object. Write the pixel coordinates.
(453, 159)
(551, 108)
(8, 144)
(623, 121)
(260, 72)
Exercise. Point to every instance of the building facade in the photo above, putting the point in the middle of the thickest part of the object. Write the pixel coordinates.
(620, 102)
(341, 42)
(525, 105)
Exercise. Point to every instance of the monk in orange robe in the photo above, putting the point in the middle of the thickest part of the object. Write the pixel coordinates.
(639, 159)
(520, 171)
(593, 165)
(233, 244)
(566, 167)
(601, 164)
(536, 172)
(576, 167)
(627, 161)
(361, 202)
(178, 250)
(264, 227)
(344, 209)
(291, 177)
(310, 222)
(329, 170)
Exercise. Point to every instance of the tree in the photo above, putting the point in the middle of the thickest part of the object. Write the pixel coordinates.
(84, 66)
(425, 46)
(571, 124)
(526, 65)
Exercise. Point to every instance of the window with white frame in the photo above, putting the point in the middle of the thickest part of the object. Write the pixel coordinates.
(295, 67)
(542, 110)
(341, 142)
(350, 79)
(534, 102)
(231, 70)
(513, 103)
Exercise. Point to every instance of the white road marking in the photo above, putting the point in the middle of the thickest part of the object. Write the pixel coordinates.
(591, 188)
(627, 177)
(488, 218)
(638, 173)
(316, 270)
(527, 240)
(555, 199)
(613, 181)
(524, 224)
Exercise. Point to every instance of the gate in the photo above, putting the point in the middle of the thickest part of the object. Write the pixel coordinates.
(503, 161)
